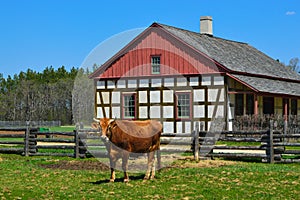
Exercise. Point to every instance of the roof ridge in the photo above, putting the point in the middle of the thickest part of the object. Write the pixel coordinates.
(199, 34)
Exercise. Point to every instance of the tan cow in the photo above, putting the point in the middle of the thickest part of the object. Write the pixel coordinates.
(125, 137)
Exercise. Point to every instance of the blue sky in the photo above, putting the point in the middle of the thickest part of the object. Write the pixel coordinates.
(35, 34)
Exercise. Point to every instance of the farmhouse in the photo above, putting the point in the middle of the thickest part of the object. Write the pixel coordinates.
(181, 77)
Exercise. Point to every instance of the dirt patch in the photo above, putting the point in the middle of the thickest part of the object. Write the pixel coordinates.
(77, 165)
(13, 132)
(190, 163)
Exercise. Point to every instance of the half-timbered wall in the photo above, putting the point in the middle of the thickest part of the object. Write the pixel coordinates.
(156, 99)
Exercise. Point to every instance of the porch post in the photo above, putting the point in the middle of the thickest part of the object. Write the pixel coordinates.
(285, 109)
(255, 104)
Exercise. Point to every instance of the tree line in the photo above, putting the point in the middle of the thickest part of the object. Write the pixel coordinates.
(38, 96)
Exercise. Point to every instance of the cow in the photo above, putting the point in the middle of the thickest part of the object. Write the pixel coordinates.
(124, 137)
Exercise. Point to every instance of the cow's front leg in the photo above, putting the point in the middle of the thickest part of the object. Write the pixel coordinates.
(112, 160)
(112, 170)
(125, 166)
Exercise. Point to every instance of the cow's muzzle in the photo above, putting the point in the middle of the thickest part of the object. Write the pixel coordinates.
(104, 138)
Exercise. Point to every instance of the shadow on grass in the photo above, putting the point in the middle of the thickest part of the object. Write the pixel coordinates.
(119, 180)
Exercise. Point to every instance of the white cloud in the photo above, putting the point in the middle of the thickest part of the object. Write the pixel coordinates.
(290, 13)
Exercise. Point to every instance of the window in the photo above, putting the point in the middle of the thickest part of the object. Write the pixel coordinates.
(239, 104)
(129, 108)
(268, 105)
(294, 107)
(155, 64)
(183, 105)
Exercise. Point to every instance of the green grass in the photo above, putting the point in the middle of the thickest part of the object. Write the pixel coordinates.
(24, 178)
(62, 128)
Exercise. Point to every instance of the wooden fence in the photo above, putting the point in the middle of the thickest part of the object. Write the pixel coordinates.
(268, 145)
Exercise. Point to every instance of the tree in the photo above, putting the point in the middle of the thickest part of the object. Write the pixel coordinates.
(294, 64)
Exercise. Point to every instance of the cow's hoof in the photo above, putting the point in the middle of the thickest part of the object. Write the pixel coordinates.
(112, 180)
(126, 180)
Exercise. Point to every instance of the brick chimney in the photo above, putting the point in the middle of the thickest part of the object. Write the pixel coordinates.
(206, 25)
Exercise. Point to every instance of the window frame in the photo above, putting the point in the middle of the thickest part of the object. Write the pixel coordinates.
(124, 106)
(155, 65)
(186, 117)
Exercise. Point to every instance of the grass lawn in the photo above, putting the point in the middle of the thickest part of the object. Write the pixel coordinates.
(25, 178)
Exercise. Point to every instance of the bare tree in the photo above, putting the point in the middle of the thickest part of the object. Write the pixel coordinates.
(294, 64)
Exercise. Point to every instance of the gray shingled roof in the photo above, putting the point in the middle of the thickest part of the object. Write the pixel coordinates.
(236, 56)
(270, 85)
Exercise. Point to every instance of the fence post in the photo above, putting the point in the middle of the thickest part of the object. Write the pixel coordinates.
(270, 146)
(76, 139)
(26, 139)
(196, 141)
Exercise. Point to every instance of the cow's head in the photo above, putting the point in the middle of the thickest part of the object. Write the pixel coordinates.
(104, 124)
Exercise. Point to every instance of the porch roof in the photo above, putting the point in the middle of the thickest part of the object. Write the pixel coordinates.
(270, 86)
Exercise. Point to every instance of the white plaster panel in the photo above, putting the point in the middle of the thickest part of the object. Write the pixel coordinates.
(219, 111)
(143, 97)
(116, 97)
(206, 80)
(168, 96)
(169, 82)
(121, 84)
(144, 83)
(156, 82)
(199, 111)
(168, 127)
(218, 80)
(187, 127)
(154, 96)
(100, 113)
(194, 81)
(116, 112)
(179, 127)
(132, 84)
(168, 112)
(181, 81)
(155, 112)
(98, 98)
(100, 84)
(111, 84)
(213, 95)
(143, 112)
(105, 96)
(199, 95)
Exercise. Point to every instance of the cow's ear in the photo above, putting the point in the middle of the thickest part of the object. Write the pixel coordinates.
(94, 125)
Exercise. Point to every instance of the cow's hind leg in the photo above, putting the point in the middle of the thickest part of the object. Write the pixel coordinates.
(150, 166)
(125, 166)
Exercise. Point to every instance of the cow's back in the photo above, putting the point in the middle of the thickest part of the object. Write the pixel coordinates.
(137, 136)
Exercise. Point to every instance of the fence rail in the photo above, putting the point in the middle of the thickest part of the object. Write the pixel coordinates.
(268, 145)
